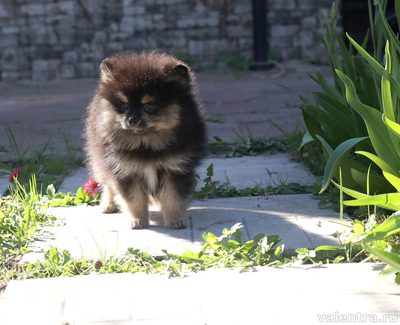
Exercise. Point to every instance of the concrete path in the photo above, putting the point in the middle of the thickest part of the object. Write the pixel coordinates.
(333, 294)
(240, 172)
(349, 293)
(295, 218)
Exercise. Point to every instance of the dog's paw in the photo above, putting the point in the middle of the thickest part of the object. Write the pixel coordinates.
(139, 223)
(177, 223)
(109, 208)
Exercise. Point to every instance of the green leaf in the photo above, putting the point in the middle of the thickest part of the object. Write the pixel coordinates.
(390, 258)
(302, 250)
(350, 71)
(382, 199)
(377, 160)
(4, 166)
(51, 191)
(366, 56)
(358, 228)
(392, 36)
(377, 184)
(336, 158)
(392, 125)
(394, 180)
(307, 138)
(212, 241)
(53, 256)
(377, 130)
(327, 149)
(329, 248)
(66, 256)
(330, 90)
(339, 113)
(210, 170)
(389, 227)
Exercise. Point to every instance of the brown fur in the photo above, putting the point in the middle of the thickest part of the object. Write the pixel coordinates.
(145, 135)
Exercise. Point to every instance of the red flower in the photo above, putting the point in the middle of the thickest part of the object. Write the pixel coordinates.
(98, 264)
(92, 187)
(15, 174)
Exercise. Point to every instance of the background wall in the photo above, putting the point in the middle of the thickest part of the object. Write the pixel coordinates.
(48, 39)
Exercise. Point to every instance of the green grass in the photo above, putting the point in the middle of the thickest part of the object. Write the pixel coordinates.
(49, 168)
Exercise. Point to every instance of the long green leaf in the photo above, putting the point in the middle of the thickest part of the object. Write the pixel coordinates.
(377, 130)
(390, 258)
(377, 67)
(337, 116)
(329, 89)
(382, 199)
(350, 71)
(393, 38)
(387, 101)
(380, 162)
(389, 227)
(334, 107)
(367, 88)
(353, 193)
(311, 121)
(335, 159)
(397, 9)
(394, 180)
(392, 125)
(307, 138)
(366, 56)
(377, 184)
(359, 195)
(326, 148)
(323, 124)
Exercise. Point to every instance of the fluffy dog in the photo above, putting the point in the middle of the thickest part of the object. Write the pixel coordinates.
(145, 134)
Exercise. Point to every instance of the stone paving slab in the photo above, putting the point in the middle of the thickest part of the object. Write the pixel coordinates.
(265, 295)
(246, 171)
(295, 218)
(3, 184)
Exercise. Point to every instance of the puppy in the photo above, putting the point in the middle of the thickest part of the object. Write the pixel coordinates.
(145, 134)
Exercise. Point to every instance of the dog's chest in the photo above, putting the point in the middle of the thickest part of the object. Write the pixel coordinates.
(150, 177)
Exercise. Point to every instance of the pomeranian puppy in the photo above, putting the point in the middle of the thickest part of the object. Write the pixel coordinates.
(145, 135)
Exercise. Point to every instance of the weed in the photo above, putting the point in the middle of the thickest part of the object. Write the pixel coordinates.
(71, 150)
(248, 144)
(48, 168)
(217, 119)
(18, 154)
(214, 189)
(182, 56)
(236, 62)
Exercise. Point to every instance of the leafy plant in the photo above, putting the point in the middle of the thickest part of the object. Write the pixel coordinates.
(335, 122)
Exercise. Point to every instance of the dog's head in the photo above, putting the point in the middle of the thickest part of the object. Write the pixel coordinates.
(144, 92)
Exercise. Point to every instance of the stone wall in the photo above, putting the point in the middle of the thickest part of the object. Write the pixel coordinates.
(49, 39)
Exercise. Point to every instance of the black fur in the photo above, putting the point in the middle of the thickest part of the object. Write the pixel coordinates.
(129, 140)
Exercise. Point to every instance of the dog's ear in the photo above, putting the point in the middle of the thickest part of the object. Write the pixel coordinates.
(180, 74)
(106, 68)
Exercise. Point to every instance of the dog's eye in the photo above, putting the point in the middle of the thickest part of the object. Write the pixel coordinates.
(149, 108)
(124, 107)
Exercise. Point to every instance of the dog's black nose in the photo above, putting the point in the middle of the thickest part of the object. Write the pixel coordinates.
(133, 120)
